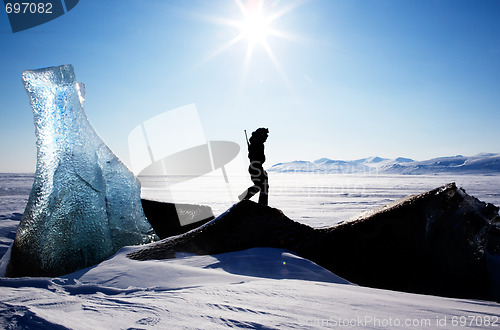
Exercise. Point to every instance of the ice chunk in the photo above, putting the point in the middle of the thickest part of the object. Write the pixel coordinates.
(84, 204)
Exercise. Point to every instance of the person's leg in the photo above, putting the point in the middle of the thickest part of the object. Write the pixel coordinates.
(263, 199)
(255, 172)
(247, 194)
(264, 189)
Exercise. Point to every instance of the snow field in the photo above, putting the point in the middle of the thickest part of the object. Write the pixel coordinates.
(257, 288)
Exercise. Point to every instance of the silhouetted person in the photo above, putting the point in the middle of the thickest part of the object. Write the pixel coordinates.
(257, 173)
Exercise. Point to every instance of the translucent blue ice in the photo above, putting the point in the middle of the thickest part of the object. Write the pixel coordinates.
(85, 204)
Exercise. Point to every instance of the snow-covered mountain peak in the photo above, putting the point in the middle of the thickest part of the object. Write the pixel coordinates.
(484, 163)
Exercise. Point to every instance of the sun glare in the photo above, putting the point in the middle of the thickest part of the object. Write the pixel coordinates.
(255, 27)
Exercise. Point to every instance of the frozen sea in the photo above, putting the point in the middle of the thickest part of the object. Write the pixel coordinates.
(259, 288)
(320, 200)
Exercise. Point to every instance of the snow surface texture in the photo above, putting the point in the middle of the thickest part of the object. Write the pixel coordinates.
(257, 288)
(479, 164)
(84, 204)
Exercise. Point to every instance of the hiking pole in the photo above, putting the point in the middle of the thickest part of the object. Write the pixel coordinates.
(248, 144)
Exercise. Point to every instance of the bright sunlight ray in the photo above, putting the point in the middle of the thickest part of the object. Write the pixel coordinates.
(255, 27)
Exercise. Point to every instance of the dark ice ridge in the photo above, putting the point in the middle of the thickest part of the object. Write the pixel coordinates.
(442, 242)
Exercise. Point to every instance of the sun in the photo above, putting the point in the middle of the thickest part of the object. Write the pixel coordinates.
(255, 27)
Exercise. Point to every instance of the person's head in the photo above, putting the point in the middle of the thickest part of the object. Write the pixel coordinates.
(260, 134)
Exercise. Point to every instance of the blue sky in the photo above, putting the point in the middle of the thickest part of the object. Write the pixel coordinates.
(351, 79)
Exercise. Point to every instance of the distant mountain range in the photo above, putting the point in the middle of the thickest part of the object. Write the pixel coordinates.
(485, 163)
